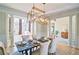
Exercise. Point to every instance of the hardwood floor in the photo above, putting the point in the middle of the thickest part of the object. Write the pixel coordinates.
(62, 50)
(66, 50)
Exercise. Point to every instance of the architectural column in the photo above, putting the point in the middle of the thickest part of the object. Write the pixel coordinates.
(11, 23)
(29, 21)
(49, 27)
(10, 33)
(33, 28)
(74, 31)
(70, 31)
(77, 30)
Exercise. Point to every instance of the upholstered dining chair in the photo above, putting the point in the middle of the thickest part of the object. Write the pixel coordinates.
(25, 37)
(44, 48)
(2, 49)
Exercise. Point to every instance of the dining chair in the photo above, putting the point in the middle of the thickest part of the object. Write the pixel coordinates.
(25, 38)
(44, 48)
(2, 49)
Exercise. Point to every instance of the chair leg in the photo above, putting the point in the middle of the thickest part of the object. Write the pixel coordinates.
(52, 53)
(30, 51)
(26, 52)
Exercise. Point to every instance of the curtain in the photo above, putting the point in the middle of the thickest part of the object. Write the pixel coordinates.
(20, 26)
(29, 26)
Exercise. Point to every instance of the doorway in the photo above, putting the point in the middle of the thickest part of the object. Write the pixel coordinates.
(62, 30)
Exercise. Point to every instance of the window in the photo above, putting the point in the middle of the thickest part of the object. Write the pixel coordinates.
(16, 25)
(20, 25)
(52, 26)
(25, 25)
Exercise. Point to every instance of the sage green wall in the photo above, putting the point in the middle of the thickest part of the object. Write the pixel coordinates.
(3, 27)
(41, 30)
(77, 30)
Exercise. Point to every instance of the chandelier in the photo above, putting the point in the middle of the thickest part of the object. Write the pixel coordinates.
(38, 15)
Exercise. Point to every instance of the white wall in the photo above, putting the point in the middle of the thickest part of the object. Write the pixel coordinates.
(4, 23)
(41, 30)
(12, 11)
(3, 27)
(62, 24)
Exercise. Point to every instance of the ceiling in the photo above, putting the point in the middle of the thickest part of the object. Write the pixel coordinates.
(49, 7)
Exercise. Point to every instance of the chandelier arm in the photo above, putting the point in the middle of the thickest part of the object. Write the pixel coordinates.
(41, 17)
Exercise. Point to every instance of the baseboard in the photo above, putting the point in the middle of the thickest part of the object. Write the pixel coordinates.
(74, 47)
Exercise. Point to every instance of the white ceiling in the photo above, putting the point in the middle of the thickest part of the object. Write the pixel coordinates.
(49, 7)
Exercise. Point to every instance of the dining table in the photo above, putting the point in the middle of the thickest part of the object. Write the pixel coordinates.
(26, 46)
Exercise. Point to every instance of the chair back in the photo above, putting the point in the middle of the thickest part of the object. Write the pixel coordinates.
(44, 48)
(25, 37)
(2, 49)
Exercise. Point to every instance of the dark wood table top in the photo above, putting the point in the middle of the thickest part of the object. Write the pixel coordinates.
(26, 46)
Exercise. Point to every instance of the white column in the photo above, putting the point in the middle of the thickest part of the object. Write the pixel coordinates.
(33, 28)
(10, 39)
(77, 31)
(74, 31)
(49, 27)
(70, 30)
(11, 36)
